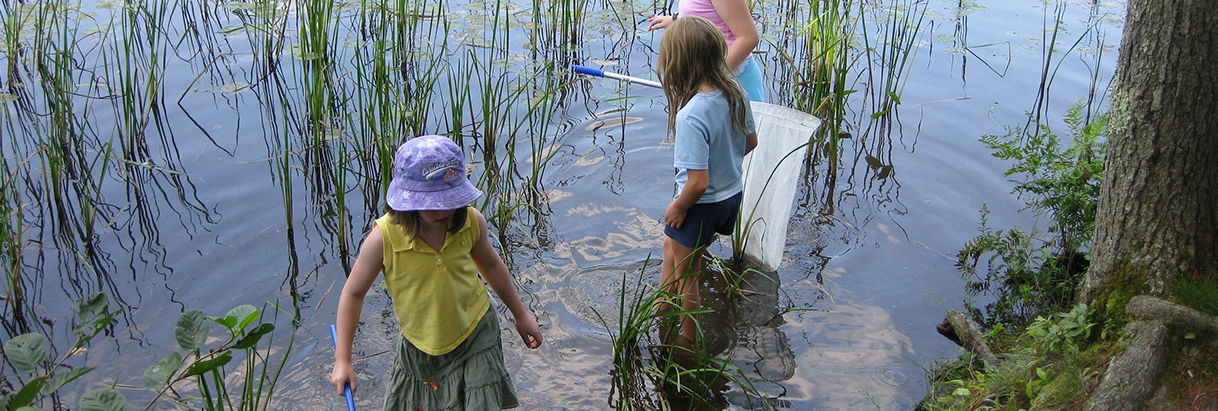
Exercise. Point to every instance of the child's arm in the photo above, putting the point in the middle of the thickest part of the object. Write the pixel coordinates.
(350, 303)
(695, 186)
(750, 143)
(740, 21)
(496, 275)
(659, 22)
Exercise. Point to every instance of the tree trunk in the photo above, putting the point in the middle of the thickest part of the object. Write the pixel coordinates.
(1156, 217)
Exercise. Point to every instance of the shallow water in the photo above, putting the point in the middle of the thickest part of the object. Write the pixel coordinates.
(847, 322)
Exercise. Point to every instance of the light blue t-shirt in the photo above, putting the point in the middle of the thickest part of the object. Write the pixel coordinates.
(706, 140)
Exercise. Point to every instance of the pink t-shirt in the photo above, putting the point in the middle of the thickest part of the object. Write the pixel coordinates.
(705, 9)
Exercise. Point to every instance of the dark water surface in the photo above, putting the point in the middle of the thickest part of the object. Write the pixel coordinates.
(847, 322)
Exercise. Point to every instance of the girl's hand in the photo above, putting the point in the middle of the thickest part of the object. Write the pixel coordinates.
(526, 325)
(342, 374)
(659, 22)
(674, 215)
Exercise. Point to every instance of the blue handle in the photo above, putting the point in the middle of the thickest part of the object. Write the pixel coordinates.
(346, 387)
(588, 70)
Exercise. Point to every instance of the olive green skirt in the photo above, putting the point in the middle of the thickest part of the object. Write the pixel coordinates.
(470, 377)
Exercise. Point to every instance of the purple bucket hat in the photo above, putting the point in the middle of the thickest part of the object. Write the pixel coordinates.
(429, 174)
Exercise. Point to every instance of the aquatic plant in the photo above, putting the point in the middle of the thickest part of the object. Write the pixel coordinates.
(30, 354)
(1030, 277)
(652, 368)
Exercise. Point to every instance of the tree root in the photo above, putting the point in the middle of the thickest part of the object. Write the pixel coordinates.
(1133, 375)
(962, 331)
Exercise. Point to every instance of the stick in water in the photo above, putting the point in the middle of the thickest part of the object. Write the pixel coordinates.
(346, 387)
(607, 74)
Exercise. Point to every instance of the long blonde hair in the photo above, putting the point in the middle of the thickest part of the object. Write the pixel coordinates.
(693, 52)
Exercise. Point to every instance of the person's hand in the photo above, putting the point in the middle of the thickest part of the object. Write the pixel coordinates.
(674, 215)
(659, 22)
(529, 331)
(342, 374)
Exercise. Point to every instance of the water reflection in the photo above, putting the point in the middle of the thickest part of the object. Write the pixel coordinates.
(745, 329)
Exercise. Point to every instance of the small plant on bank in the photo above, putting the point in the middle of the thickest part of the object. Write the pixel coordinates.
(1062, 332)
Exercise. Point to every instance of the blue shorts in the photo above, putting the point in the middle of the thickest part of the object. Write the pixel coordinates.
(752, 81)
(702, 221)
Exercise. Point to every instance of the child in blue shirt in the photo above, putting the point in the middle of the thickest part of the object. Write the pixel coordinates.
(713, 126)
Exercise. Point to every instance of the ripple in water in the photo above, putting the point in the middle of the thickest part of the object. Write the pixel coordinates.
(598, 289)
(891, 375)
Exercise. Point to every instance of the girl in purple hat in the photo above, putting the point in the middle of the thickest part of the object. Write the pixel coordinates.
(432, 246)
(709, 117)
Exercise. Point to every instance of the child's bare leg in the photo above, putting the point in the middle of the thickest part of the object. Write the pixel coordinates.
(680, 275)
(693, 298)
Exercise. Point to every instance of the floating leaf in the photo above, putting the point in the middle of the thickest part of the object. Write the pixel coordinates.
(954, 50)
(885, 171)
(209, 365)
(26, 351)
(63, 378)
(501, 63)
(874, 162)
(231, 29)
(239, 5)
(251, 339)
(602, 62)
(103, 399)
(191, 330)
(7, 98)
(158, 374)
(234, 87)
(945, 38)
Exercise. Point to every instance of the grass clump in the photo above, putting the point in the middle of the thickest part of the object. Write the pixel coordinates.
(653, 369)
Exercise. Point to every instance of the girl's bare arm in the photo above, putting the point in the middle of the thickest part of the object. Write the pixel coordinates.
(350, 302)
(495, 272)
(740, 20)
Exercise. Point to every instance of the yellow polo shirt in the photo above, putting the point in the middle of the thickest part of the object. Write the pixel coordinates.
(438, 297)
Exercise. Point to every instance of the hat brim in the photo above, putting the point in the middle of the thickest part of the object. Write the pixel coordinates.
(401, 199)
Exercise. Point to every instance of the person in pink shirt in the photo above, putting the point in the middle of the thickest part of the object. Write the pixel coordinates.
(735, 21)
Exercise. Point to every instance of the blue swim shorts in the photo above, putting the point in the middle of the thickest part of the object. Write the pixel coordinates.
(702, 221)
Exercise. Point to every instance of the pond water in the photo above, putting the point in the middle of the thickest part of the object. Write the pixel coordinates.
(219, 187)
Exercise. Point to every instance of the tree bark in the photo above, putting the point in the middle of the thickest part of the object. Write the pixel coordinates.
(1156, 217)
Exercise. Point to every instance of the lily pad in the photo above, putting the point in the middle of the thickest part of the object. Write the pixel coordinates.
(236, 87)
